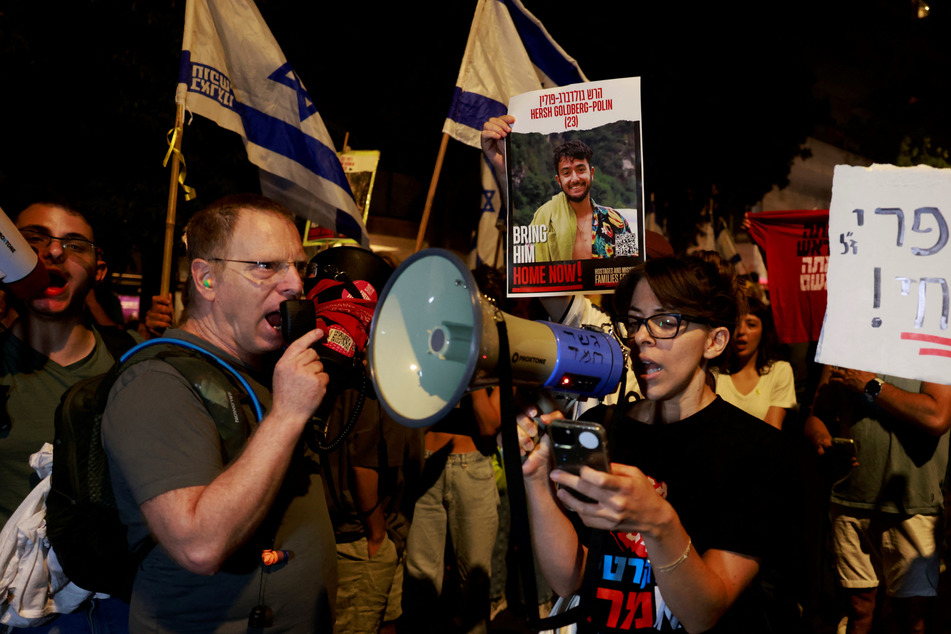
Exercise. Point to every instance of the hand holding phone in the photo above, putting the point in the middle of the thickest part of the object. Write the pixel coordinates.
(843, 450)
(844, 446)
(577, 444)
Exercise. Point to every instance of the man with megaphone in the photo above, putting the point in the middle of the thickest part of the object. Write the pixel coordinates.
(243, 542)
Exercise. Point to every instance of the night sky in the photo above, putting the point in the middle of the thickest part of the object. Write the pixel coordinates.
(729, 95)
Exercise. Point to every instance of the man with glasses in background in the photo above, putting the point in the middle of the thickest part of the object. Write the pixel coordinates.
(51, 345)
(243, 541)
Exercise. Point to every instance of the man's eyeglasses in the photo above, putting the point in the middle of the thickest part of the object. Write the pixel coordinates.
(267, 270)
(39, 240)
(659, 326)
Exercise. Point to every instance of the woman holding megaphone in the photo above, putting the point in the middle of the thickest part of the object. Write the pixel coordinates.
(694, 508)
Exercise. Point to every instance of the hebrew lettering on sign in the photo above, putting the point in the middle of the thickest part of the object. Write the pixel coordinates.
(888, 295)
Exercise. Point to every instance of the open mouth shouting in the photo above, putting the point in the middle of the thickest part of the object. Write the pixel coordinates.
(57, 284)
(274, 319)
(647, 368)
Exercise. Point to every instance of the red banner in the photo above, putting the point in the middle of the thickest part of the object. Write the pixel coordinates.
(796, 246)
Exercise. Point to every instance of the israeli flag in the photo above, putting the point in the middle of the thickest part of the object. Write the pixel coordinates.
(234, 73)
(508, 52)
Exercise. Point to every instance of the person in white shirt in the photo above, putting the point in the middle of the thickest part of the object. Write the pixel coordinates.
(753, 379)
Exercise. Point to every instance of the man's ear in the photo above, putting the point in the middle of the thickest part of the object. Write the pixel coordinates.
(716, 342)
(203, 278)
(102, 269)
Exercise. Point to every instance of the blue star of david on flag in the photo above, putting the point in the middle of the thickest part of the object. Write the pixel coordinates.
(487, 204)
(234, 73)
(286, 75)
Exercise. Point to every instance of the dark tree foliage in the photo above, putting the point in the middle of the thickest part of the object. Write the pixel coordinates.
(726, 95)
(89, 99)
(895, 79)
(89, 91)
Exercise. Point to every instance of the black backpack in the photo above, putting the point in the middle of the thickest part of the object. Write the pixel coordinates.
(82, 518)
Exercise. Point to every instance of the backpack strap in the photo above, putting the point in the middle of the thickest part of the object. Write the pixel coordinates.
(520, 530)
(82, 515)
(212, 378)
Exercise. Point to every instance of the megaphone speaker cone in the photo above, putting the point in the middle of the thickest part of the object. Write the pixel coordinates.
(422, 350)
(20, 269)
(434, 337)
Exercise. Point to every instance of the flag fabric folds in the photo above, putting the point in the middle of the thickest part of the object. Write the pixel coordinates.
(234, 73)
(508, 52)
(488, 238)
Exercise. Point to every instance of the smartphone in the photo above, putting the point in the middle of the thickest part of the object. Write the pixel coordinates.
(577, 444)
(844, 447)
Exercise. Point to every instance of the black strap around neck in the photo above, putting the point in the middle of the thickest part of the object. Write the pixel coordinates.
(520, 532)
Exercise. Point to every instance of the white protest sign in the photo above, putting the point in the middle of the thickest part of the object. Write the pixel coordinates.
(889, 267)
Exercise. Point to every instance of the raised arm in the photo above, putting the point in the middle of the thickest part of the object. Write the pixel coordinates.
(494, 132)
(201, 526)
(928, 410)
(698, 590)
(561, 556)
(159, 316)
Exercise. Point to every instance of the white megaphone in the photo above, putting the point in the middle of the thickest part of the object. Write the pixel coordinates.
(20, 269)
(434, 337)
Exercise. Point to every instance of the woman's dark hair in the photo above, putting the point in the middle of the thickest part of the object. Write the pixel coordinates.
(689, 285)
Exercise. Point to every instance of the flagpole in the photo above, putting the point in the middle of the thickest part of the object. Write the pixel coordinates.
(172, 201)
(498, 248)
(432, 192)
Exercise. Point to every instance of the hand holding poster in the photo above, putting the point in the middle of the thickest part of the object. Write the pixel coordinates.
(888, 272)
(576, 188)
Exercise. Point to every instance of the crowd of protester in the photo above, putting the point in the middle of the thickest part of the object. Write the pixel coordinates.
(697, 527)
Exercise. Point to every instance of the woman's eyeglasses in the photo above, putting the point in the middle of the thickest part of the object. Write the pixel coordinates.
(659, 326)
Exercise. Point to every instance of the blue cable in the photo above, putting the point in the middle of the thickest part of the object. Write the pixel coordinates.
(258, 410)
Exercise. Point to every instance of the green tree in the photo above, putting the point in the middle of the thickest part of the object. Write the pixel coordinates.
(922, 153)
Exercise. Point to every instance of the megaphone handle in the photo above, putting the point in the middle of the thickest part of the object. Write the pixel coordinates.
(520, 529)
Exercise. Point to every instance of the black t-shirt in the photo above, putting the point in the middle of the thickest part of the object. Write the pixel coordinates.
(376, 442)
(731, 479)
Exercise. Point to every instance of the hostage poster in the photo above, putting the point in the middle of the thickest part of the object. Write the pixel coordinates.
(575, 188)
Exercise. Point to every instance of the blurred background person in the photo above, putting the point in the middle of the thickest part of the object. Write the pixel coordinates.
(752, 377)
